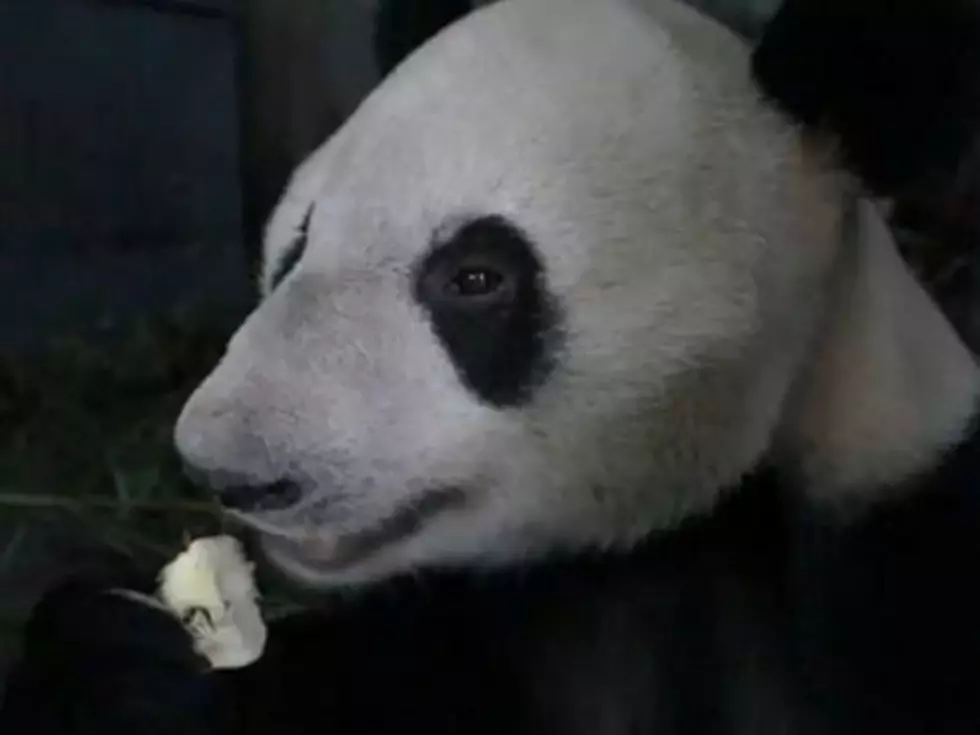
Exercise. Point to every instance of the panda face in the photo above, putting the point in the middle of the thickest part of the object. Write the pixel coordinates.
(547, 289)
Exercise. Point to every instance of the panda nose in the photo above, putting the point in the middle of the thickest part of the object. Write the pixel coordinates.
(247, 494)
(254, 498)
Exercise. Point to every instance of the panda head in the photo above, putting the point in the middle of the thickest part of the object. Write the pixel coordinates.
(565, 277)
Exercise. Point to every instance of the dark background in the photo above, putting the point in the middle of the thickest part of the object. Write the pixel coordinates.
(142, 143)
(120, 166)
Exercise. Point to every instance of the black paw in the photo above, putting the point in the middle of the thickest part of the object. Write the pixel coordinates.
(98, 658)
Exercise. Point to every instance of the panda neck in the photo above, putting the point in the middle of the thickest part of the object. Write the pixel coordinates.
(769, 512)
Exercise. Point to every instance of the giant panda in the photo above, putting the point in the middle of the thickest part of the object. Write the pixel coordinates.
(589, 394)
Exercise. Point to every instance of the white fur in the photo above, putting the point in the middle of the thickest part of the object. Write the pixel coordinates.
(890, 381)
(695, 241)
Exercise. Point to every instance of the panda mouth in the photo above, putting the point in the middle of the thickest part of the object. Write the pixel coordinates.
(343, 550)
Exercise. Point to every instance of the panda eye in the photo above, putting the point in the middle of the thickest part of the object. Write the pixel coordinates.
(293, 252)
(474, 282)
(485, 296)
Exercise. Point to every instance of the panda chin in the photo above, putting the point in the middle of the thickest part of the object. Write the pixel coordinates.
(294, 560)
(317, 572)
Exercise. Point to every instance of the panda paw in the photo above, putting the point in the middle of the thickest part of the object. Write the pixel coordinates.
(100, 658)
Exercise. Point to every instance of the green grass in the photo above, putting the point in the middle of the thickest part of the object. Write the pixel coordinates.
(86, 426)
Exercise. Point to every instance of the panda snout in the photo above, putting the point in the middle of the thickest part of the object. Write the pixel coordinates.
(220, 455)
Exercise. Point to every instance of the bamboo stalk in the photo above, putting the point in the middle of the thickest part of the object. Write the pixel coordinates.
(29, 501)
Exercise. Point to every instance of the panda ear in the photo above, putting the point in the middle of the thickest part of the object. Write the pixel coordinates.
(896, 81)
(401, 26)
(890, 386)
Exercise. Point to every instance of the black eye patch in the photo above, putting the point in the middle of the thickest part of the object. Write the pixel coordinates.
(294, 251)
(485, 294)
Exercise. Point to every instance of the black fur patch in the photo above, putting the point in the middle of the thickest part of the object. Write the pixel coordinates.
(897, 81)
(499, 340)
